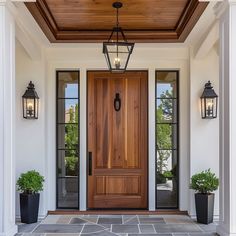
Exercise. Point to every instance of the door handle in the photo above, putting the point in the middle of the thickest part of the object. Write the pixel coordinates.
(117, 102)
(90, 164)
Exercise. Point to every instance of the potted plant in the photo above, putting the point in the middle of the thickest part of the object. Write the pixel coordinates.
(29, 184)
(204, 183)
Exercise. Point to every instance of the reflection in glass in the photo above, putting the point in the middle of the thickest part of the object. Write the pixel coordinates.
(67, 84)
(166, 139)
(67, 163)
(166, 86)
(67, 136)
(166, 112)
(68, 192)
(67, 111)
(166, 136)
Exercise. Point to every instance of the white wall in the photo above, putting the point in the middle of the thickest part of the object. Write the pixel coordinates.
(36, 139)
(204, 134)
(89, 56)
(30, 134)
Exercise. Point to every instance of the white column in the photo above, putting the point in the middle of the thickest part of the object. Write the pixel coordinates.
(7, 121)
(227, 225)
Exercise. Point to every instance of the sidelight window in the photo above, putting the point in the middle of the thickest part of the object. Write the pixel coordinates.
(67, 127)
(166, 113)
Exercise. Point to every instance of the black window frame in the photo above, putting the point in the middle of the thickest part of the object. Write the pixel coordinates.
(177, 98)
(64, 149)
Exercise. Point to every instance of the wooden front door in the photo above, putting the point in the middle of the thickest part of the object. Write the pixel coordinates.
(117, 139)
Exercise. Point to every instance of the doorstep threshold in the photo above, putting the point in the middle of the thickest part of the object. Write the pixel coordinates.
(117, 212)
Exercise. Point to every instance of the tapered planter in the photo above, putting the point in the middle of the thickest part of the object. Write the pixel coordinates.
(204, 207)
(29, 207)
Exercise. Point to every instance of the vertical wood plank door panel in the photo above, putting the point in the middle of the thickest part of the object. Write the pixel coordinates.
(117, 140)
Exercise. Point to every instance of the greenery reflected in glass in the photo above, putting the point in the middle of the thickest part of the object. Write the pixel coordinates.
(164, 113)
(71, 141)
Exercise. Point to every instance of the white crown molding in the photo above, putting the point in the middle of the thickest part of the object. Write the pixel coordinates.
(222, 6)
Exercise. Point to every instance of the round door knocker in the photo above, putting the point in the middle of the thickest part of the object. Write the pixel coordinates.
(117, 102)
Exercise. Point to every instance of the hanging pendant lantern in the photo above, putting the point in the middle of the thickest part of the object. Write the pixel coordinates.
(209, 102)
(117, 50)
(30, 102)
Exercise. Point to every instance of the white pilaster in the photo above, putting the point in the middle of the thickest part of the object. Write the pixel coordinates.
(227, 225)
(7, 121)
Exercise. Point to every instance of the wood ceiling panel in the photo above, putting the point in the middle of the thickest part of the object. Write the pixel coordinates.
(135, 14)
(92, 20)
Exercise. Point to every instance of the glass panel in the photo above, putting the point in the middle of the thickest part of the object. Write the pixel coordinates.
(67, 163)
(67, 136)
(118, 61)
(67, 111)
(166, 139)
(166, 136)
(68, 192)
(68, 84)
(167, 179)
(166, 84)
(166, 111)
(68, 139)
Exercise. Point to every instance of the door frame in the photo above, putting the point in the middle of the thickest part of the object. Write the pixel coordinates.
(102, 70)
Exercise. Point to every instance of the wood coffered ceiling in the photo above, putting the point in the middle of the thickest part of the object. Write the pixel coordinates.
(93, 20)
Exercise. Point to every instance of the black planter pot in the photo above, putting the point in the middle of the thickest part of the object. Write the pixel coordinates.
(204, 207)
(29, 207)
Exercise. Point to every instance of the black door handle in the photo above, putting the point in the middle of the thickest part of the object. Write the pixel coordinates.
(90, 164)
(117, 102)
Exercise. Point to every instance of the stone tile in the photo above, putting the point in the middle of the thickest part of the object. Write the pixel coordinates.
(106, 226)
(150, 216)
(116, 220)
(110, 216)
(147, 229)
(149, 234)
(78, 221)
(204, 234)
(103, 233)
(151, 220)
(59, 234)
(125, 229)
(180, 234)
(125, 217)
(92, 229)
(175, 220)
(208, 228)
(177, 228)
(27, 228)
(51, 219)
(132, 220)
(90, 219)
(64, 219)
(32, 234)
(56, 228)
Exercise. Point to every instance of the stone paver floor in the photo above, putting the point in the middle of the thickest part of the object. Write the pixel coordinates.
(116, 225)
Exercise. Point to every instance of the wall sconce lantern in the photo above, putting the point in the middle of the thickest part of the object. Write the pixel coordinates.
(117, 49)
(209, 102)
(30, 101)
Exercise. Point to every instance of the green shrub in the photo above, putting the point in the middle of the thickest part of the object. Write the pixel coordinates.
(168, 174)
(204, 182)
(30, 182)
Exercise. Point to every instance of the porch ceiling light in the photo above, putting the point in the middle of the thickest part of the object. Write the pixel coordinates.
(30, 102)
(117, 50)
(209, 102)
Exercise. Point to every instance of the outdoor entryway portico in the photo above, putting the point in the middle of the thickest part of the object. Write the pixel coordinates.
(31, 144)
